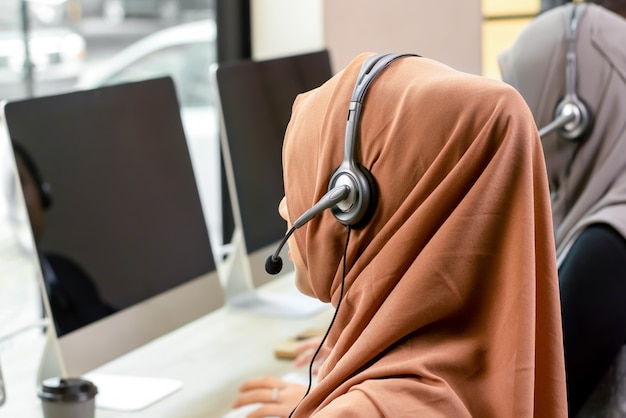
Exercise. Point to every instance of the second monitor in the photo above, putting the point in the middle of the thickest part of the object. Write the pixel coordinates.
(255, 99)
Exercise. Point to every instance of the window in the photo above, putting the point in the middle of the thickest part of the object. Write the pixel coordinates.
(503, 21)
(70, 43)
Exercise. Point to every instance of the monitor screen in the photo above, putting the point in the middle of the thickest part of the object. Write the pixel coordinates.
(255, 99)
(117, 219)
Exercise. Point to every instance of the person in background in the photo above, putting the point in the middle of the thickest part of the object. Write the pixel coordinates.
(587, 176)
(550, 4)
(616, 6)
(446, 296)
(74, 299)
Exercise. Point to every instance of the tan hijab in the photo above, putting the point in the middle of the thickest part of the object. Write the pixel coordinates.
(451, 304)
(588, 179)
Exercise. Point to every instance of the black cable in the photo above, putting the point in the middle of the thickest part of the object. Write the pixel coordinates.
(332, 321)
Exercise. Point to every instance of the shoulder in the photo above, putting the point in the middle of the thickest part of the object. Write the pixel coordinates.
(600, 247)
(601, 237)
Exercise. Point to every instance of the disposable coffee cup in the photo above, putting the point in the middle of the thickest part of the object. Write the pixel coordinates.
(68, 398)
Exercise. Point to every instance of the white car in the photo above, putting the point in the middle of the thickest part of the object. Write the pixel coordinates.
(117, 10)
(185, 52)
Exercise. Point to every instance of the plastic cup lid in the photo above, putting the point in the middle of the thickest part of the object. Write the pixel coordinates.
(57, 389)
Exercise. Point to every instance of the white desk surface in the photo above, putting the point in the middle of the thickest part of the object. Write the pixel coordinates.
(211, 356)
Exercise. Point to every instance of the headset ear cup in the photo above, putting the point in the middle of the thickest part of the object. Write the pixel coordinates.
(587, 122)
(373, 198)
(581, 127)
(357, 208)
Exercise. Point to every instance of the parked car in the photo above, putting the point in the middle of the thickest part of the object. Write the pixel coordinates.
(184, 52)
(56, 51)
(117, 10)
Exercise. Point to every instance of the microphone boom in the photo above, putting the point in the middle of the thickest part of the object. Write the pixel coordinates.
(273, 263)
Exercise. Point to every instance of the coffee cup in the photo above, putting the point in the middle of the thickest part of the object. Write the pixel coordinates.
(68, 398)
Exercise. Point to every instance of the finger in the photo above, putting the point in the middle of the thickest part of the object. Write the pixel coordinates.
(316, 367)
(262, 395)
(264, 382)
(307, 344)
(304, 358)
(271, 410)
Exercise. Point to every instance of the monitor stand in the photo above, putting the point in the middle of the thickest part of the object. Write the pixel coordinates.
(280, 297)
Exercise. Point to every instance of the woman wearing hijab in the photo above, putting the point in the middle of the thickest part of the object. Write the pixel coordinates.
(617, 6)
(446, 297)
(587, 178)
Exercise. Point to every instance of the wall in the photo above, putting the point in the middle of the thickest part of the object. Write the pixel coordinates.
(286, 27)
(446, 30)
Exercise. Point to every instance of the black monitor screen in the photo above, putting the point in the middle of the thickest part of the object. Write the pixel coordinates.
(256, 99)
(124, 205)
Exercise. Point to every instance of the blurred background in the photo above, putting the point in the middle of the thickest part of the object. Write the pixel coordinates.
(52, 46)
(56, 46)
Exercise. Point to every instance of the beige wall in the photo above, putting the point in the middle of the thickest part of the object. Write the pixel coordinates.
(286, 27)
(446, 30)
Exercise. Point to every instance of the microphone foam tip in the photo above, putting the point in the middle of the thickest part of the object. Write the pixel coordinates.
(273, 265)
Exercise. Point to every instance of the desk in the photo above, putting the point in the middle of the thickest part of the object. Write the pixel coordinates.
(212, 356)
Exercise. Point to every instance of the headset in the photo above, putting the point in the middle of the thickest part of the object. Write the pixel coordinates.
(352, 190)
(572, 116)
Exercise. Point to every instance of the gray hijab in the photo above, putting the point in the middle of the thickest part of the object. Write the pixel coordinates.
(587, 178)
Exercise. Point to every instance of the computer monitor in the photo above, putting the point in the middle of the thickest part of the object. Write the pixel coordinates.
(125, 209)
(255, 100)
